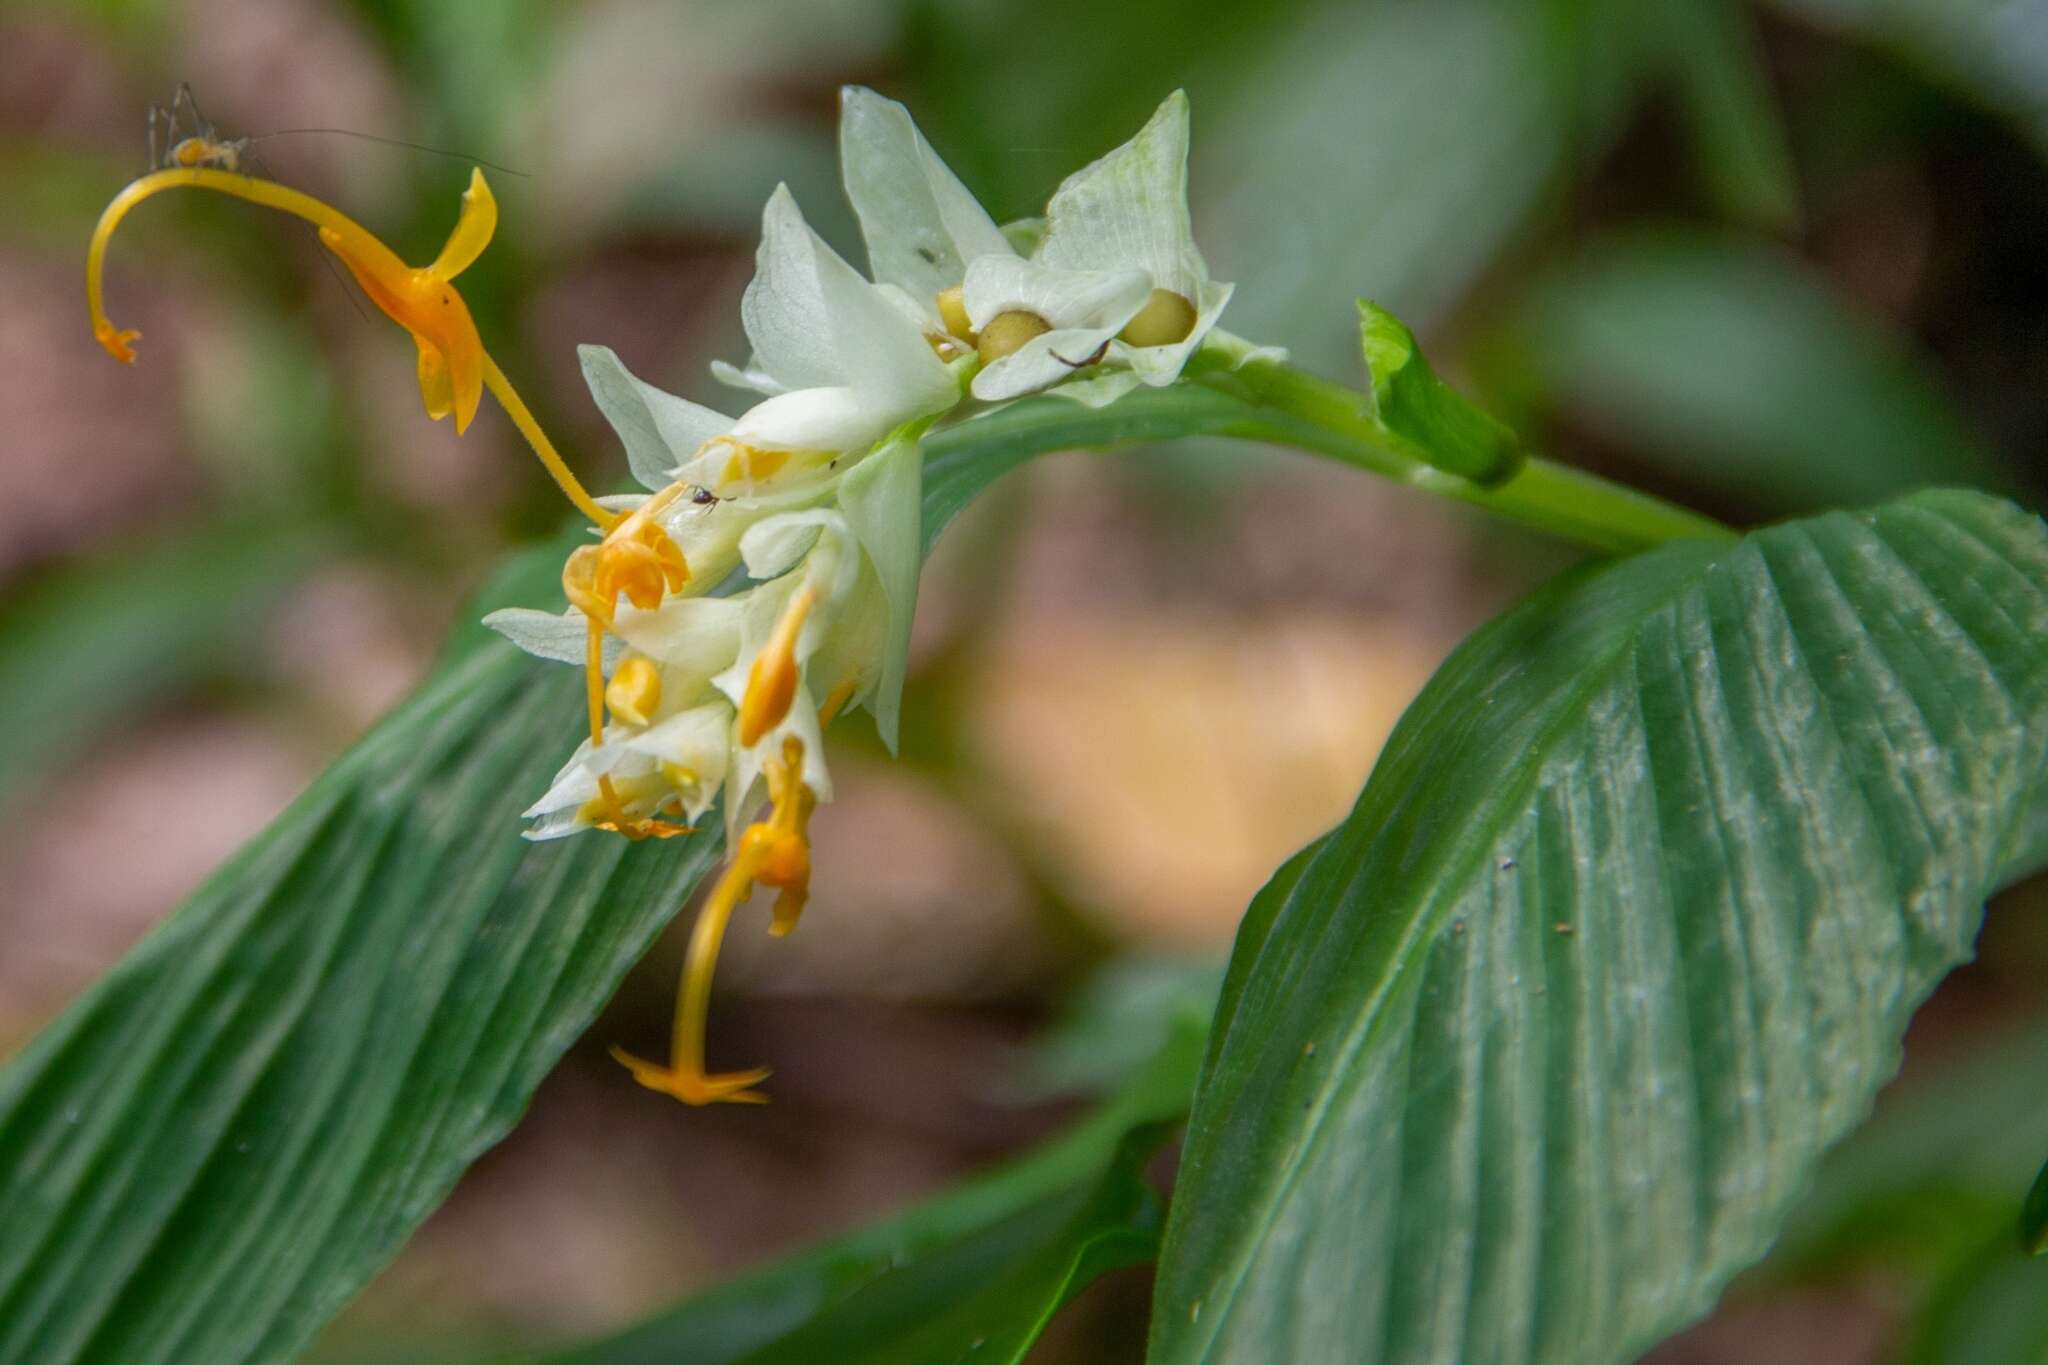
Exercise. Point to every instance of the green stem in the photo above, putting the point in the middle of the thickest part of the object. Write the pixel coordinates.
(1298, 409)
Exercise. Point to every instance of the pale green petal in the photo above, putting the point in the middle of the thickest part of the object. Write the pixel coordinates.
(774, 545)
(660, 430)
(546, 635)
(699, 740)
(697, 635)
(750, 376)
(1025, 234)
(1157, 365)
(882, 500)
(1064, 298)
(1099, 388)
(1131, 208)
(1045, 360)
(815, 323)
(920, 223)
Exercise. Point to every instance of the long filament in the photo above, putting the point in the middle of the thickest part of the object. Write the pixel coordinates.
(693, 999)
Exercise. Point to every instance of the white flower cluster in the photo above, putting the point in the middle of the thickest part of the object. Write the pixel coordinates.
(813, 493)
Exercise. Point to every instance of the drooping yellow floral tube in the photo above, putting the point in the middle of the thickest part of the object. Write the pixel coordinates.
(774, 852)
(454, 368)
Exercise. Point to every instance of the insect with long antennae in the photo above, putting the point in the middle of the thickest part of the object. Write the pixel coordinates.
(202, 144)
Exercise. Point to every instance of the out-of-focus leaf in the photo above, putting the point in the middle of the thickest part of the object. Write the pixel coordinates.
(971, 1275)
(1992, 1309)
(1735, 367)
(1122, 1015)
(1382, 149)
(1993, 50)
(1936, 1172)
(209, 1152)
(90, 643)
(1538, 1048)
(2034, 1216)
(1711, 53)
(1015, 102)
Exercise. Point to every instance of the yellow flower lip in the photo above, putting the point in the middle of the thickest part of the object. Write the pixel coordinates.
(422, 300)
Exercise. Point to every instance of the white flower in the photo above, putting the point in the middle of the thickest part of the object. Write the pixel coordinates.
(921, 225)
(796, 490)
(1126, 213)
(1113, 293)
(675, 766)
(842, 364)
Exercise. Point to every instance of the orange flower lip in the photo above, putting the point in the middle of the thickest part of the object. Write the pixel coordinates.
(454, 368)
(422, 300)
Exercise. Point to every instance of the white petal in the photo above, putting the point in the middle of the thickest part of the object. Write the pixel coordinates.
(1158, 365)
(1064, 298)
(920, 223)
(699, 635)
(752, 376)
(698, 739)
(774, 545)
(1045, 360)
(836, 418)
(1131, 208)
(815, 323)
(548, 636)
(882, 501)
(660, 430)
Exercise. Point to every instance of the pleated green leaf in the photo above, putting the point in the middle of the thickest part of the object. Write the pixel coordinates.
(210, 1151)
(973, 1274)
(1536, 1050)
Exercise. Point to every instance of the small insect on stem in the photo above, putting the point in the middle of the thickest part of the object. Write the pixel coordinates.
(1093, 359)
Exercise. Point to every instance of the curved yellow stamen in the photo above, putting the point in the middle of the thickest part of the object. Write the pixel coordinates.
(454, 368)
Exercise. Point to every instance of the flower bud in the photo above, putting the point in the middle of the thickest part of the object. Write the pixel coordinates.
(1165, 319)
(1006, 333)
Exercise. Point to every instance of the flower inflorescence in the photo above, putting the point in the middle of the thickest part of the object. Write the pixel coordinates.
(764, 581)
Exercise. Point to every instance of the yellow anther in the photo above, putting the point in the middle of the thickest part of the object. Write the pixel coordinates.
(837, 698)
(952, 305)
(1165, 319)
(606, 810)
(785, 845)
(1006, 334)
(771, 681)
(635, 691)
(454, 369)
(748, 464)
